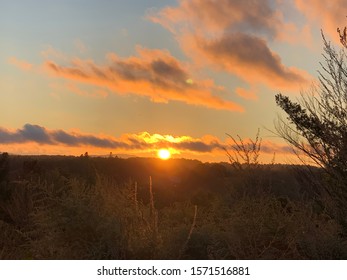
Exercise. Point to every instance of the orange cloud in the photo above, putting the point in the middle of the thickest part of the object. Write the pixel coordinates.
(153, 73)
(97, 93)
(37, 139)
(21, 64)
(233, 36)
(248, 57)
(297, 35)
(327, 16)
(208, 16)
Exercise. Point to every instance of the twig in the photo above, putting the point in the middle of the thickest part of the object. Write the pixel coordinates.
(190, 233)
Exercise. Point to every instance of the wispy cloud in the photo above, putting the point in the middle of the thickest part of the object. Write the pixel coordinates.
(21, 64)
(143, 142)
(80, 46)
(246, 94)
(155, 74)
(213, 18)
(94, 93)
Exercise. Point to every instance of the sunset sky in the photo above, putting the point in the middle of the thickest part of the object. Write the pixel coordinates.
(131, 77)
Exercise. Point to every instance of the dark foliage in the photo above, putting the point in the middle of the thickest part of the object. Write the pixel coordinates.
(107, 208)
(317, 126)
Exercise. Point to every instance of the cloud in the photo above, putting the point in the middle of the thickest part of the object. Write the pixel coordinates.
(96, 93)
(246, 94)
(250, 58)
(327, 16)
(234, 36)
(214, 17)
(152, 73)
(40, 135)
(140, 142)
(21, 64)
(28, 133)
(70, 139)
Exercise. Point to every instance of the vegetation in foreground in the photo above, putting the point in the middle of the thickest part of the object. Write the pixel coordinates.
(112, 208)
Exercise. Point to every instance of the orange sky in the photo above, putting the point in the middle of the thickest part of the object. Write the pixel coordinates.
(133, 77)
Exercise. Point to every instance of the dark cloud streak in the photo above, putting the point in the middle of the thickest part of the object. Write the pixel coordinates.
(129, 142)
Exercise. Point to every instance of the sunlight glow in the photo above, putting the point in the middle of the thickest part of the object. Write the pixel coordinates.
(189, 81)
(164, 154)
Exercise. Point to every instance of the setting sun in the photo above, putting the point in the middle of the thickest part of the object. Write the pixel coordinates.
(164, 154)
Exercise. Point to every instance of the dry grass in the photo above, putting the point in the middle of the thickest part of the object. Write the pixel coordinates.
(58, 217)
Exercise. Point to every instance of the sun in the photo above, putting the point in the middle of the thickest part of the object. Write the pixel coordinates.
(164, 154)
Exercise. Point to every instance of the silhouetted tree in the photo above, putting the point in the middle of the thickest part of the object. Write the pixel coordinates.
(244, 155)
(316, 125)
